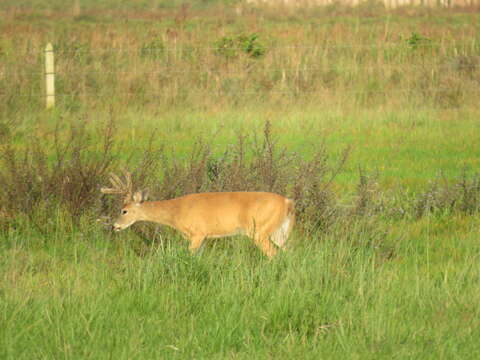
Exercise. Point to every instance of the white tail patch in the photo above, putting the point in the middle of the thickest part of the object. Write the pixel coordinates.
(279, 237)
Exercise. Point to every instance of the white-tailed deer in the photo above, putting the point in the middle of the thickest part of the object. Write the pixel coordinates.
(262, 216)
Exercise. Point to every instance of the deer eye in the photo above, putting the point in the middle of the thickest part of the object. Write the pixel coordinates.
(124, 212)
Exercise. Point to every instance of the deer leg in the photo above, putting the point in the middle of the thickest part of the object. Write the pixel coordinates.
(264, 244)
(196, 243)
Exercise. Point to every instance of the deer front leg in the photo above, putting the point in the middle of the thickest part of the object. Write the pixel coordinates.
(196, 243)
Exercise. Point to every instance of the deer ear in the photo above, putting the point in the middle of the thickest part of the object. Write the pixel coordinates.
(138, 197)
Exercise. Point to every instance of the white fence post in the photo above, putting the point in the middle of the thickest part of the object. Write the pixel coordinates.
(76, 8)
(49, 76)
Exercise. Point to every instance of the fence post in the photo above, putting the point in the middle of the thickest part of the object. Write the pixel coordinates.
(49, 76)
(76, 8)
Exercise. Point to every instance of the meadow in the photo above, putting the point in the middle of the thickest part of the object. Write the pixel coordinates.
(367, 118)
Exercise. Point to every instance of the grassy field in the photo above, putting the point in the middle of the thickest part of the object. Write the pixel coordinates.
(216, 96)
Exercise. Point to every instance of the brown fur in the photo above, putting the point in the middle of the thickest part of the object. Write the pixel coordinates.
(260, 215)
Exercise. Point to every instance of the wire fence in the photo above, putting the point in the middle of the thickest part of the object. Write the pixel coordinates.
(386, 92)
(149, 78)
(174, 71)
(82, 49)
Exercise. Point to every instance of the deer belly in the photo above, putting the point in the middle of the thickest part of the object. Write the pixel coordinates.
(220, 234)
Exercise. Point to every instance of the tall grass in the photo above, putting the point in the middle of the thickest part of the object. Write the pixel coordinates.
(65, 170)
(233, 60)
(375, 139)
(355, 292)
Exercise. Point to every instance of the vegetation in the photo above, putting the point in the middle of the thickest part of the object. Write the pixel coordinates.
(375, 139)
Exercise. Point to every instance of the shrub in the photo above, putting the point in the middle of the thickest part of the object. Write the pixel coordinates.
(232, 47)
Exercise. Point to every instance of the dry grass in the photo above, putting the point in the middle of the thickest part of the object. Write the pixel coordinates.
(225, 60)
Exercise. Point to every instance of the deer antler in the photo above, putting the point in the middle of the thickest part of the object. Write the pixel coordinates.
(120, 187)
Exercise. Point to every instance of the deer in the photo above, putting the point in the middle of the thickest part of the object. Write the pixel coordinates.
(267, 218)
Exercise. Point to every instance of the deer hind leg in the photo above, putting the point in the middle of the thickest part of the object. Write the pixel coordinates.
(196, 243)
(280, 235)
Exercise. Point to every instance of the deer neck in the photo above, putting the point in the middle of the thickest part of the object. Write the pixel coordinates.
(159, 211)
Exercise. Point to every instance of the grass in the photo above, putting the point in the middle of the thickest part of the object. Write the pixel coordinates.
(86, 297)
(382, 265)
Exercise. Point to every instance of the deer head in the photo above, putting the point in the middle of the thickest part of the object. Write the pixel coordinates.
(132, 210)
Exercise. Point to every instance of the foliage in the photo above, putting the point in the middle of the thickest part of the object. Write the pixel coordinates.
(416, 41)
(154, 49)
(232, 47)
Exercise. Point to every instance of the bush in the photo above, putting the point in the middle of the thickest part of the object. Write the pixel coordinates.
(65, 172)
(232, 47)
(60, 171)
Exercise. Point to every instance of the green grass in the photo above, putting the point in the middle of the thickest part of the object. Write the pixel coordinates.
(408, 148)
(402, 294)
(370, 286)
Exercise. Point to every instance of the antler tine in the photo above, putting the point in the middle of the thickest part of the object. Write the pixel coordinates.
(129, 184)
(109, 191)
(120, 187)
(117, 188)
(116, 182)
